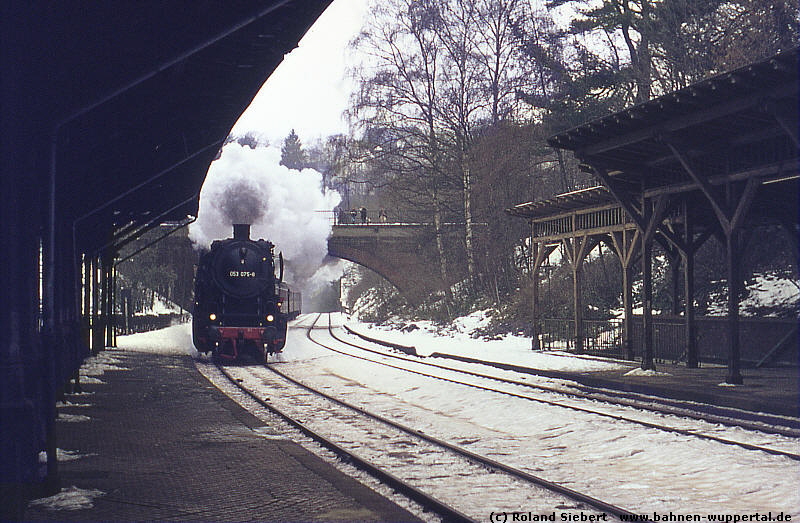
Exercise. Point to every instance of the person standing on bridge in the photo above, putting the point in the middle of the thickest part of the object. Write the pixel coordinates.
(363, 215)
(382, 216)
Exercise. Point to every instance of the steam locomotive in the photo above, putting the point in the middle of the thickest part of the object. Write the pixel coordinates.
(241, 307)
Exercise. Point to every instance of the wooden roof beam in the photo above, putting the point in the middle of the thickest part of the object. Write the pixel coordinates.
(701, 181)
(687, 120)
(730, 216)
(788, 125)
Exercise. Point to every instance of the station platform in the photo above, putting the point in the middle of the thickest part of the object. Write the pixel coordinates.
(157, 442)
(772, 390)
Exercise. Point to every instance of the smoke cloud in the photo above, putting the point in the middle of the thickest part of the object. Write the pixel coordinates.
(247, 185)
(240, 203)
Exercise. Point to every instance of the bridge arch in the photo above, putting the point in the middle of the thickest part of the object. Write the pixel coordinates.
(402, 253)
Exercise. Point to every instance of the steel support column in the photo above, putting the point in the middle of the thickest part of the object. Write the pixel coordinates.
(97, 306)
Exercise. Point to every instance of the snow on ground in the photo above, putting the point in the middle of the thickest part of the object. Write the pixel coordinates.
(69, 455)
(428, 338)
(72, 418)
(769, 290)
(637, 467)
(641, 372)
(161, 306)
(176, 339)
(72, 498)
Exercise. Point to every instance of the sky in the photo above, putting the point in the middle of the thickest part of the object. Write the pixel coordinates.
(309, 91)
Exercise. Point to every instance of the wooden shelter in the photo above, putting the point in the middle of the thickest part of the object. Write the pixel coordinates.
(719, 157)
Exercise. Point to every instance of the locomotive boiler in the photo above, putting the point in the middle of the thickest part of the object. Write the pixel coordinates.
(241, 306)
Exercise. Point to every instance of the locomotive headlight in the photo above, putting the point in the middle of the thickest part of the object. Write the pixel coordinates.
(270, 318)
(212, 317)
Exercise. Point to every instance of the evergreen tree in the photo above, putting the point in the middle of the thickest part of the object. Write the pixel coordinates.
(292, 154)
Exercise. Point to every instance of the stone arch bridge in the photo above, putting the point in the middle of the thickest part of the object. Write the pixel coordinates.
(404, 254)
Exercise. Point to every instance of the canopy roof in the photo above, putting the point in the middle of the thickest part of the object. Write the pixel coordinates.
(728, 128)
(590, 197)
(731, 122)
(136, 98)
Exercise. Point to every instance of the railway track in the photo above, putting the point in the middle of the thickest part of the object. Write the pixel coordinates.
(728, 416)
(432, 472)
(626, 402)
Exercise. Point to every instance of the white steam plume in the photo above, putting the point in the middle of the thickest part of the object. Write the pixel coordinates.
(249, 186)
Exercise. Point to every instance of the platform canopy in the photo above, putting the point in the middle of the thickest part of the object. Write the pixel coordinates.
(561, 203)
(135, 98)
(729, 128)
(112, 112)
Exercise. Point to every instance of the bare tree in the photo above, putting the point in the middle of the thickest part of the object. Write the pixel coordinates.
(462, 101)
(444, 70)
(501, 28)
(401, 99)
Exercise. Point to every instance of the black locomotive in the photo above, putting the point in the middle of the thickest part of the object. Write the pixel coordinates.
(240, 305)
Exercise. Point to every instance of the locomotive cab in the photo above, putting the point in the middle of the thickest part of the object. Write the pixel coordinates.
(240, 305)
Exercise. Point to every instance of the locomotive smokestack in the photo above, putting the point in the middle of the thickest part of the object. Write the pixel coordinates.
(241, 231)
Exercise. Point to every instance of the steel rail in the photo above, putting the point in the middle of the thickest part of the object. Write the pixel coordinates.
(428, 502)
(476, 458)
(626, 398)
(684, 432)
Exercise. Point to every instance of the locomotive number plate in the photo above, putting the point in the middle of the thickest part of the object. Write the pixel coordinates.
(242, 274)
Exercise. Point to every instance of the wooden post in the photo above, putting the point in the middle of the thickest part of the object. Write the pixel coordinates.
(731, 212)
(625, 245)
(692, 359)
(647, 304)
(535, 247)
(577, 300)
(734, 285)
(647, 287)
(539, 254)
(675, 271)
(577, 248)
(627, 307)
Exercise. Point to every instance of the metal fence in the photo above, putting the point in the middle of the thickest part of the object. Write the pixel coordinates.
(600, 336)
(760, 338)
